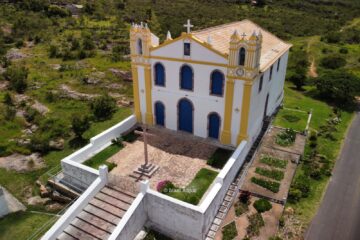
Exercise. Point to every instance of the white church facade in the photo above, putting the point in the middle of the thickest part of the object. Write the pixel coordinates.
(216, 83)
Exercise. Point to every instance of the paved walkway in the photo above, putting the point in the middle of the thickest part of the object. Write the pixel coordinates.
(339, 213)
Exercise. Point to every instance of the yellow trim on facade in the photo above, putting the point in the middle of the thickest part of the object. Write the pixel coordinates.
(189, 36)
(149, 118)
(135, 78)
(225, 137)
(245, 112)
(189, 61)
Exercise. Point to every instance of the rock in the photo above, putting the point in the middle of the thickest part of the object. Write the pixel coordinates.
(2, 70)
(22, 163)
(24, 142)
(27, 131)
(67, 92)
(91, 80)
(125, 102)
(57, 144)
(54, 207)
(125, 75)
(15, 54)
(34, 128)
(41, 108)
(38, 183)
(44, 192)
(56, 196)
(55, 66)
(37, 200)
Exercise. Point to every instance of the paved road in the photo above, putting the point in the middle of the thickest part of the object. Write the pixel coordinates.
(339, 214)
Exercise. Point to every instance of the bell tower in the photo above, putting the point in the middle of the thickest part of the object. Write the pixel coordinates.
(140, 43)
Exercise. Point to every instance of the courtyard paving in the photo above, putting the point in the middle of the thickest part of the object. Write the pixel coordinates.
(179, 156)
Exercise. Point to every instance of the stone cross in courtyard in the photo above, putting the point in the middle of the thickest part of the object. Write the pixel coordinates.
(188, 26)
(147, 169)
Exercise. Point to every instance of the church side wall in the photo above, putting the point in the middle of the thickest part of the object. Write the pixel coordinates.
(275, 90)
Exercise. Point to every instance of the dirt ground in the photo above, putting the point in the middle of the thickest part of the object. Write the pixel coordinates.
(179, 157)
(271, 219)
(270, 137)
(285, 183)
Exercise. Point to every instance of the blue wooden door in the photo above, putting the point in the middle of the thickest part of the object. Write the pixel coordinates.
(214, 125)
(160, 114)
(185, 114)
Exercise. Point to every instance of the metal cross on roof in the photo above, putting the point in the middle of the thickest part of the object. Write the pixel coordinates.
(243, 35)
(188, 26)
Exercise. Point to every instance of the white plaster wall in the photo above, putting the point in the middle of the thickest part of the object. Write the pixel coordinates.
(236, 114)
(274, 88)
(203, 102)
(198, 52)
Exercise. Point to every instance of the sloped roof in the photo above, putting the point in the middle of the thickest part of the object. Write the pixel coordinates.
(272, 47)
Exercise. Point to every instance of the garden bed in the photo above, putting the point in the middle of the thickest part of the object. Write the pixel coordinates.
(102, 157)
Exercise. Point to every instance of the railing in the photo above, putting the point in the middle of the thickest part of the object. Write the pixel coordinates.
(123, 183)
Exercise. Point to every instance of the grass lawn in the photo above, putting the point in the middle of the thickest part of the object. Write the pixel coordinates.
(288, 118)
(306, 208)
(193, 192)
(101, 157)
(219, 158)
(22, 225)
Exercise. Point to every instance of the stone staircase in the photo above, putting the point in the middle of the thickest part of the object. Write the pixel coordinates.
(100, 217)
(235, 185)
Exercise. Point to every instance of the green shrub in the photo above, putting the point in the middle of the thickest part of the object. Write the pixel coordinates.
(282, 222)
(333, 62)
(103, 107)
(294, 195)
(262, 205)
(273, 162)
(229, 231)
(130, 137)
(10, 113)
(343, 50)
(255, 223)
(274, 174)
(286, 138)
(240, 208)
(269, 185)
(244, 197)
(17, 76)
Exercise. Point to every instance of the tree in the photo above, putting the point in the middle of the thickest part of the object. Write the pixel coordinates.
(338, 86)
(17, 76)
(103, 107)
(333, 62)
(80, 124)
(298, 78)
(8, 99)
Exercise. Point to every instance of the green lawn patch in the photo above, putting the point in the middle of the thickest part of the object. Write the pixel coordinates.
(193, 192)
(100, 158)
(22, 225)
(219, 158)
(293, 119)
(273, 173)
(273, 162)
(229, 231)
(269, 185)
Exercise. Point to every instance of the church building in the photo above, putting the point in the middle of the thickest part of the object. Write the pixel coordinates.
(220, 82)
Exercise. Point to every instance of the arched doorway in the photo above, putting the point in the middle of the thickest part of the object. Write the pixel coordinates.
(185, 115)
(214, 125)
(160, 114)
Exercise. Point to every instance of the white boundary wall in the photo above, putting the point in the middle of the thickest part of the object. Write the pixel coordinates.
(78, 206)
(77, 174)
(176, 218)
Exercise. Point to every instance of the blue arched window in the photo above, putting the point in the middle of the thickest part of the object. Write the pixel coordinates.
(139, 47)
(159, 71)
(217, 83)
(242, 54)
(186, 78)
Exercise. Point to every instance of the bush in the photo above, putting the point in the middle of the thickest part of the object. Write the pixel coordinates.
(118, 141)
(343, 50)
(244, 197)
(57, 11)
(79, 124)
(219, 158)
(17, 76)
(294, 195)
(240, 208)
(165, 186)
(286, 138)
(333, 62)
(333, 37)
(262, 205)
(229, 231)
(10, 113)
(8, 99)
(103, 107)
(32, 115)
(269, 185)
